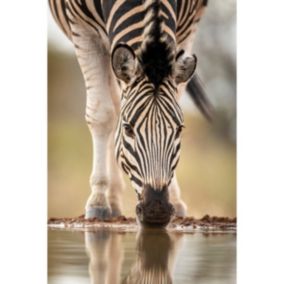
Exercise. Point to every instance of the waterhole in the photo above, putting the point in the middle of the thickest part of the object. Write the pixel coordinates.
(148, 256)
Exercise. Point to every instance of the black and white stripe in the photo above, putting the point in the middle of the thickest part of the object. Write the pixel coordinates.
(148, 141)
(122, 21)
(150, 123)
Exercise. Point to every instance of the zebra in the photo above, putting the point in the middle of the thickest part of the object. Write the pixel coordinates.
(136, 59)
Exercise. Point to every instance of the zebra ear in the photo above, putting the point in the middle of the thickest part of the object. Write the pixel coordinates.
(123, 61)
(184, 67)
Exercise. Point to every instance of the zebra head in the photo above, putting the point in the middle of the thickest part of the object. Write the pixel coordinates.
(148, 134)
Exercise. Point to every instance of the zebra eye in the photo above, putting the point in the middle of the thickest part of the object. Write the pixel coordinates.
(128, 130)
(179, 130)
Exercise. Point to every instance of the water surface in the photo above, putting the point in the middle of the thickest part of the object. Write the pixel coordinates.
(149, 256)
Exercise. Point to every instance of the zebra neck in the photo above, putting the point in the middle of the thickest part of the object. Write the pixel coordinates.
(125, 20)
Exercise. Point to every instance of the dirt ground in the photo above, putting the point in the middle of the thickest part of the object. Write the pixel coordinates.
(206, 223)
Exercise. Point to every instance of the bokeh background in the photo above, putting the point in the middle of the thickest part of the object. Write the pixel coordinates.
(207, 168)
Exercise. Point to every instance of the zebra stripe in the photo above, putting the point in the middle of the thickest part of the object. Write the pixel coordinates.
(123, 20)
(144, 111)
(58, 10)
(147, 140)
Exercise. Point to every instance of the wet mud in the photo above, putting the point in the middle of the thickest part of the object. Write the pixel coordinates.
(186, 224)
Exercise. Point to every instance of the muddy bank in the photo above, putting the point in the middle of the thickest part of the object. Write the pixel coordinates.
(122, 223)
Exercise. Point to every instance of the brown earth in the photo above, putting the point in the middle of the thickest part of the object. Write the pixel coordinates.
(205, 223)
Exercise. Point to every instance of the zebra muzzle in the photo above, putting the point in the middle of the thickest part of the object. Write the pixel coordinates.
(155, 209)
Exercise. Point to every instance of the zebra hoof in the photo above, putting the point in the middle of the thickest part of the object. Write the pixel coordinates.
(99, 212)
(180, 209)
(115, 211)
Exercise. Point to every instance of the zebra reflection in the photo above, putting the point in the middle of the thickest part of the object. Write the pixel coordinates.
(156, 252)
(155, 260)
(105, 256)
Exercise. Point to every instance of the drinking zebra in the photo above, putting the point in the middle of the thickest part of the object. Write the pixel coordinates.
(136, 59)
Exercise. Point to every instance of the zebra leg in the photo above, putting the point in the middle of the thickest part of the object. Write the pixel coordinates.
(97, 204)
(115, 175)
(116, 182)
(178, 203)
(100, 118)
(100, 114)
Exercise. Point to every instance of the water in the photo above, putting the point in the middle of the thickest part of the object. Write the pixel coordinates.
(151, 256)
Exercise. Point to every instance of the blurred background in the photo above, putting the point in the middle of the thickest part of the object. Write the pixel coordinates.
(207, 168)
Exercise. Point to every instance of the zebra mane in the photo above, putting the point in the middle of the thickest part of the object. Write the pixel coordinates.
(157, 50)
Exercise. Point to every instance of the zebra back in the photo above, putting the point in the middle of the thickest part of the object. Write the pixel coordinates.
(58, 11)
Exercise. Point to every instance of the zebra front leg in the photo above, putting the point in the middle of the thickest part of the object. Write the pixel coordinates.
(178, 203)
(97, 204)
(94, 61)
(116, 182)
(100, 117)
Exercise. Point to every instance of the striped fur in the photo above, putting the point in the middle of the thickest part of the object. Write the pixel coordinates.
(180, 18)
(143, 42)
(147, 158)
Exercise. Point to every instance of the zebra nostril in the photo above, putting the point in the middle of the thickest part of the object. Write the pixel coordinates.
(139, 209)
